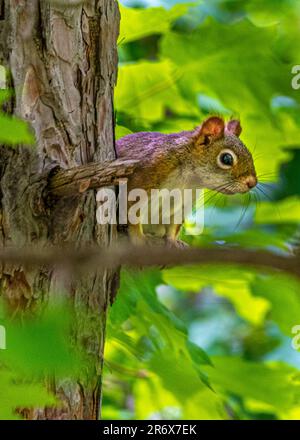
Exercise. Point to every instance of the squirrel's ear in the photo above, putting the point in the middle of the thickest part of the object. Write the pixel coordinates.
(212, 128)
(234, 127)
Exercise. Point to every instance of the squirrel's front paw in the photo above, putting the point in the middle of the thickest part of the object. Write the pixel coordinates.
(177, 244)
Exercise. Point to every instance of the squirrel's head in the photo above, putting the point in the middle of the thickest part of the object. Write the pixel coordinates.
(227, 163)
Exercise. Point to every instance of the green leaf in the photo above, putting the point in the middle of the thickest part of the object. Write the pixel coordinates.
(41, 345)
(146, 89)
(275, 385)
(232, 283)
(141, 326)
(154, 401)
(17, 393)
(285, 211)
(222, 61)
(14, 131)
(5, 94)
(140, 23)
(283, 293)
(122, 131)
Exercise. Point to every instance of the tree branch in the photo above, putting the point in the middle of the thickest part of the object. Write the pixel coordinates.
(91, 176)
(145, 256)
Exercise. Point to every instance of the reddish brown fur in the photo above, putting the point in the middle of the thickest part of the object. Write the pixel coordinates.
(191, 156)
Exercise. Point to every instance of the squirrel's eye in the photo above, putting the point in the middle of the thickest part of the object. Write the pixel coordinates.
(226, 159)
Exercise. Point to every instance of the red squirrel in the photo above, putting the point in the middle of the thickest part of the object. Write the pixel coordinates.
(209, 157)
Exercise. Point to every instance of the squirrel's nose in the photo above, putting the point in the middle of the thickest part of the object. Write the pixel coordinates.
(251, 181)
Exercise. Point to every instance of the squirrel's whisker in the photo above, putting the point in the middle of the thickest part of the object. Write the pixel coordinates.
(244, 211)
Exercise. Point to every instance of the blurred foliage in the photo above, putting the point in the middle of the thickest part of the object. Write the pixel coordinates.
(210, 342)
(36, 347)
(13, 131)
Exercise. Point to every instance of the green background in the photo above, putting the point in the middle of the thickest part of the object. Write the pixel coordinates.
(212, 342)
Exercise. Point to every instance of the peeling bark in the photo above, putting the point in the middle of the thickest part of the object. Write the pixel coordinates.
(63, 64)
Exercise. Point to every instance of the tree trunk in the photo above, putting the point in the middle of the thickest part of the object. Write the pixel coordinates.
(62, 60)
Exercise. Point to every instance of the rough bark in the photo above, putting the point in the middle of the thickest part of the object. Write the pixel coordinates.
(78, 180)
(62, 60)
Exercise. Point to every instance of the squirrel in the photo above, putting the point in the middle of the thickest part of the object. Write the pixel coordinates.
(212, 156)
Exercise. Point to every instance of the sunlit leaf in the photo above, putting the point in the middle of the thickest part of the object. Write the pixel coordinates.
(146, 89)
(285, 211)
(232, 283)
(276, 385)
(139, 23)
(283, 293)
